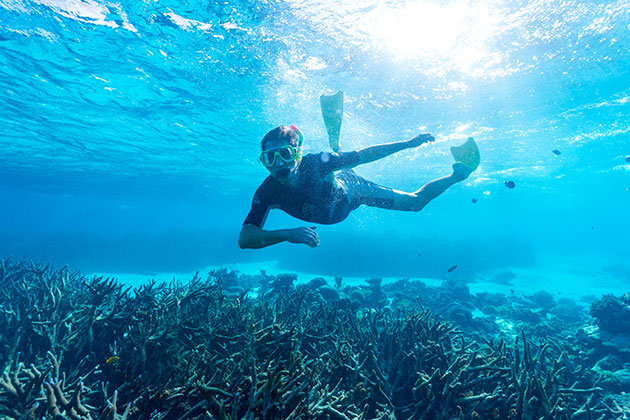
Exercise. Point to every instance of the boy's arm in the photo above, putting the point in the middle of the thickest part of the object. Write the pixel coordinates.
(255, 237)
(379, 151)
(252, 234)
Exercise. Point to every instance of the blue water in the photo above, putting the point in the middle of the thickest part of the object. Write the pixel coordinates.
(130, 132)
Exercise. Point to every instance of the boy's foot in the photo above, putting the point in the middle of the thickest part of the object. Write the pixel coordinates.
(332, 111)
(460, 171)
(467, 153)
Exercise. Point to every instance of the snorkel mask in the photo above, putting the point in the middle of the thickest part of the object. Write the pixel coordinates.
(280, 156)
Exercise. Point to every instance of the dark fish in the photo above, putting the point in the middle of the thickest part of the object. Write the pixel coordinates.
(627, 159)
(510, 184)
(556, 152)
(450, 270)
(474, 200)
(419, 254)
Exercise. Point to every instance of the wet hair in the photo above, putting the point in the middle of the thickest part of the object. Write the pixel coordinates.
(281, 133)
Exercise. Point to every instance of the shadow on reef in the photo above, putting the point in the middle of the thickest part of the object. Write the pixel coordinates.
(89, 348)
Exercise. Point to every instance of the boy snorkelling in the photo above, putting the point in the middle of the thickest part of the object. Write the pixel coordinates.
(323, 188)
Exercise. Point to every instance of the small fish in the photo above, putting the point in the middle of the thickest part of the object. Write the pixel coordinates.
(556, 152)
(474, 200)
(450, 270)
(419, 254)
(112, 359)
(627, 159)
(510, 184)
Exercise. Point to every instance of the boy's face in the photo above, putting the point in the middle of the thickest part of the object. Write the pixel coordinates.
(281, 154)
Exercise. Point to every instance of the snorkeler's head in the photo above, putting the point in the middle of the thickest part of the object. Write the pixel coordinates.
(281, 135)
(282, 150)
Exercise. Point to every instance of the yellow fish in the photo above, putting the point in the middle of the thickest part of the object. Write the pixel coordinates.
(112, 359)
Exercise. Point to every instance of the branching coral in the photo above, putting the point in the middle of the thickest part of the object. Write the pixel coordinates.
(189, 350)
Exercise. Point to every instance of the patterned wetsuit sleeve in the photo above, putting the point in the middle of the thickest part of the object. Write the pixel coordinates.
(260, 207)
(331, 161)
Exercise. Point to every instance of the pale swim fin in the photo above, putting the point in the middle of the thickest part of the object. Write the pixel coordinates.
(332, 111)
(467, 153)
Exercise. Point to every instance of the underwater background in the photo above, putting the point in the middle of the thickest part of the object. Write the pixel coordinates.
(130, 132)
(129, 137)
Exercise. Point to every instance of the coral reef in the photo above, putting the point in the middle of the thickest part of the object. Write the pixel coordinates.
(612, 313)
(88, 348)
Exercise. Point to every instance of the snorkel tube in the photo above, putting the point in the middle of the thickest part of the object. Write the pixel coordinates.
(300, 142)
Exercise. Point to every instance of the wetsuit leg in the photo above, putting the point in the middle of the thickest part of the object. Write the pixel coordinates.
(361, 191)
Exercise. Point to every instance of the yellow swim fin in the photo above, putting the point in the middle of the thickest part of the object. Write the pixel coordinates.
(332, 111)
(467, 153)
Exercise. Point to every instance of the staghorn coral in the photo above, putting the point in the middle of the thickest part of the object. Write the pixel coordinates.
(35, 392)
(189, 350)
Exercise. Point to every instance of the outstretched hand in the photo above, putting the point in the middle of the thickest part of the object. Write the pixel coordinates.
(420, 139)
(303, 235)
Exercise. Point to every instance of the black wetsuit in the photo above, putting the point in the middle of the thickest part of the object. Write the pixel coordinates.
(314, 198)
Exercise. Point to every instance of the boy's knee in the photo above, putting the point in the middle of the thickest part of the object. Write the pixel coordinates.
(418, 203)
(417, 207)
(409, 202)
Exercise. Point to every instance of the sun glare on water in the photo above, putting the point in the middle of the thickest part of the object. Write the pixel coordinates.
(421, 27)
(435, 31)
(438, 35)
